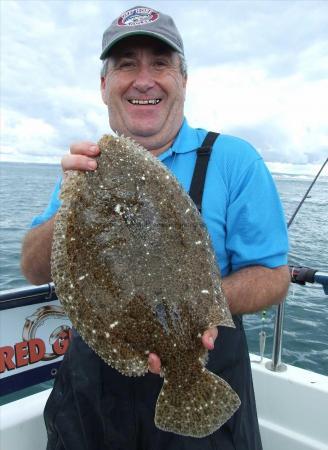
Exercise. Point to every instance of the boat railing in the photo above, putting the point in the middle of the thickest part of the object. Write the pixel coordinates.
(302, 276)
(27, 295)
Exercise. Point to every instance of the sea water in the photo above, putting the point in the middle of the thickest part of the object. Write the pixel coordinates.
(25, 191)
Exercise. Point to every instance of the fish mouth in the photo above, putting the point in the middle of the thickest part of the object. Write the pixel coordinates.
(149, 101)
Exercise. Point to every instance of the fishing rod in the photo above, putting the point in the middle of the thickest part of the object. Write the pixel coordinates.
(306, 194)
(303, 275)
(298, 275)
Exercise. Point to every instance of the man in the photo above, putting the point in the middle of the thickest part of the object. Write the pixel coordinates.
(143, 84)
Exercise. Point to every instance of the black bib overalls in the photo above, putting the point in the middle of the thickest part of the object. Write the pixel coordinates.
(93, 407)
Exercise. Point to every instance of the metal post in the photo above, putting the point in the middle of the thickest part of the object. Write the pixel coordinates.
(276, 365)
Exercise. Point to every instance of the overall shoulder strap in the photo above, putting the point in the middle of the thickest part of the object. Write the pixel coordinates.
(199, 175)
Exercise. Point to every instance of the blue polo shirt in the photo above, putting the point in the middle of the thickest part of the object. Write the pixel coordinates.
(241, 207)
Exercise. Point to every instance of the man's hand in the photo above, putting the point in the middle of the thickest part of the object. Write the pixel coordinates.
(81, 157)
(208, 340)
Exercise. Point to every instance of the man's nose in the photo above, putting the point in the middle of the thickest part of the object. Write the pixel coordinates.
(144, 79)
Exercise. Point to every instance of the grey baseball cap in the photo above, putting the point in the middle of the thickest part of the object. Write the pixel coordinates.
(142, 20)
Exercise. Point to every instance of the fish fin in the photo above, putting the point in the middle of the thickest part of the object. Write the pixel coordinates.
(198, 408)
(220, 316)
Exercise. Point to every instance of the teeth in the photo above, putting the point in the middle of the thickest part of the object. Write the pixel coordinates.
(154, 101)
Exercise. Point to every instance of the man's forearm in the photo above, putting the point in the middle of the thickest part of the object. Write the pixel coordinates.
(36, 253)
(254, 288)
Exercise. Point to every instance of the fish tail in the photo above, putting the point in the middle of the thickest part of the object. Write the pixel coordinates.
(196, 407)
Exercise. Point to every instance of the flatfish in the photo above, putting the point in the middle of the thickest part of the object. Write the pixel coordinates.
(135, 272)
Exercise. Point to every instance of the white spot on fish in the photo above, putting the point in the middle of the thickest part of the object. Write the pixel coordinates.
(118, 209)
(83, 276)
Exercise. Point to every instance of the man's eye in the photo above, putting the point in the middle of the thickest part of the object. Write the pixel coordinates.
(161, 64)
(126, 65)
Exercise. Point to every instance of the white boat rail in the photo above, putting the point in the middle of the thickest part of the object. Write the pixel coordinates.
(299, 275)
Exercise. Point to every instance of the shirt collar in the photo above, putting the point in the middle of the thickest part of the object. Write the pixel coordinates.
(187, 140)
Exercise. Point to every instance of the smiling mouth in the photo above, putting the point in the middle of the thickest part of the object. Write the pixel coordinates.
(151, 101)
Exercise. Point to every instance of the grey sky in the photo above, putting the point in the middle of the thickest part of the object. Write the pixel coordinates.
(257, 69)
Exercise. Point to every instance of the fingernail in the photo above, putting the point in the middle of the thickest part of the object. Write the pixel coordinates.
(92, 164)
(93, 149)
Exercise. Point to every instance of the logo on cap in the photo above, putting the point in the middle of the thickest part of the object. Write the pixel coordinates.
(137, 16)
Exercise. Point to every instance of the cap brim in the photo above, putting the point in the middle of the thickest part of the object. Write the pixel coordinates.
(167, 41)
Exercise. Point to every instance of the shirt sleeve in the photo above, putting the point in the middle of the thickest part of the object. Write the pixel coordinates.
(52, 207)
(256, 225)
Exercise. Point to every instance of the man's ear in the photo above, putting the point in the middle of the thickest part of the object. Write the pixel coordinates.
(185, 85)
(103, 89)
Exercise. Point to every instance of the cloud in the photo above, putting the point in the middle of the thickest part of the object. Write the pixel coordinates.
(256, 69)
(270, 34)
(283, 117)
(25, 137)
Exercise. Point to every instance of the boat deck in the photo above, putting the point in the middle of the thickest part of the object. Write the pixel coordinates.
(292, 408)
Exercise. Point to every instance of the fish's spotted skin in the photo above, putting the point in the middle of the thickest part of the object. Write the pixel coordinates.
(135, 271)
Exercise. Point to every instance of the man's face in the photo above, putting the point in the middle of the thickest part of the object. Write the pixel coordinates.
(144, 91)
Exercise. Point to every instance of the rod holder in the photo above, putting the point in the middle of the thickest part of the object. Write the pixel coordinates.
(275, 364)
